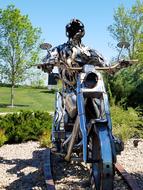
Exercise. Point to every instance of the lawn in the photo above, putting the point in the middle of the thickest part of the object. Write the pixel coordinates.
(27, 99)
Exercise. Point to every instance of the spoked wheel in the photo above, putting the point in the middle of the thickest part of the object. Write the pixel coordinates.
(100, 153)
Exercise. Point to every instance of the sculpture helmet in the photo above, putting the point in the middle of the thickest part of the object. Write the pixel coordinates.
(75, 29)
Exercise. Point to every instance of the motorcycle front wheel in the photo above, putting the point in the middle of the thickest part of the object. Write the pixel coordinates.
(100, 152)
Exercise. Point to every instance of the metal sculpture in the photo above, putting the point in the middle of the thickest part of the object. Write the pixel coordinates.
(82, 127)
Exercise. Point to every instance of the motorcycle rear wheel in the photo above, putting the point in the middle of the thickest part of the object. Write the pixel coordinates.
(100, 151)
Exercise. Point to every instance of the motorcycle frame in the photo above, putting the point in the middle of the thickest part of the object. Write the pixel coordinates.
(99, 90)
(82, 92)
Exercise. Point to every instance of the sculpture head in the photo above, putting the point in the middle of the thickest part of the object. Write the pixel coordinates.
(75, 30)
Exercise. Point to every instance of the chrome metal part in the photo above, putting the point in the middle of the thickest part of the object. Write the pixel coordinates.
(82, 118)
(107, 172)
(123, 44)
(57, 115)
(102, 168)
(45, 46)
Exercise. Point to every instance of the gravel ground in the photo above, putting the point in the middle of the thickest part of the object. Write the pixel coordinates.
(132, 160)
(76, 176)
(21, 168)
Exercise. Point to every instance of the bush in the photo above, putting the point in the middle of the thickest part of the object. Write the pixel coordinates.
(26, 125)
(126, 123)
(45, 139)
(3, 137)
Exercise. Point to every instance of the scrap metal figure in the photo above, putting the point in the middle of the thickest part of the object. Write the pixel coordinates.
(82, 127)
(71, 54)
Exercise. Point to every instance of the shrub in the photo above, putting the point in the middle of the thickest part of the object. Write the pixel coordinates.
(26, 125)
(3, 137)
(126, 123)
(45, 139)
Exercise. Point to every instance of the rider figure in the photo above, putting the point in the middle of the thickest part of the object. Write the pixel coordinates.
(73, 52)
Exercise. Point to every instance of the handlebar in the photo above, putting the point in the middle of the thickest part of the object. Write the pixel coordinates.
(120, 64)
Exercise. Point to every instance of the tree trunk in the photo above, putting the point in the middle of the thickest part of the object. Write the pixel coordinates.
(12, 84)
(12, 95)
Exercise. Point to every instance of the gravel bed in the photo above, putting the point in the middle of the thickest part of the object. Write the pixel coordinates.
(21, 168)
(69, 176)
(75, 176)
(132, 160)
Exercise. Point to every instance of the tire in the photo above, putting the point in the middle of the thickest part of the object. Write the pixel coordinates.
(100, 152)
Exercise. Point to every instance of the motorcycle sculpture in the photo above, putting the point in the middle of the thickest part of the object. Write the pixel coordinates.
(82, 127)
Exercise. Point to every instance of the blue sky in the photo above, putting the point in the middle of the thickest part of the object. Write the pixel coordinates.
(52, 16)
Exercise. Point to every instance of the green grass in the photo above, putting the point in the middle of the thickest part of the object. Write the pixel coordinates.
(27, 99)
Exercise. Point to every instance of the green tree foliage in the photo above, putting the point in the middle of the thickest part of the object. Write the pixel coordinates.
(18, 45)
(128, 26)
(127, 85)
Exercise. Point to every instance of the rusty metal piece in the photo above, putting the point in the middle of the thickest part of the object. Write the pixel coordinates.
(47, 170)
(73, 138)
(127, 177)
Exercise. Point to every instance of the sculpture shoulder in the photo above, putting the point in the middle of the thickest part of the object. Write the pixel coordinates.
(56, 51)
(62, 46)
(98, 56)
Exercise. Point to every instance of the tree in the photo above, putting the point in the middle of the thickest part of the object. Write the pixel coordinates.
(128, 27)
(37, 78)
(127, 85)
(18, 45)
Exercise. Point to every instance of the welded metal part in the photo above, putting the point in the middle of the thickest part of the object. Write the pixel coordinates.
(47, 170)
(107, 111)
(72, 140)
(102, 172)
(57, 115)
(123, 44)
(59, 134)
(70, 104)
(94, 153)
(45, 46)
(82, 118)
(107, 172)
(67, 140)
(127, 177)
(108, 116)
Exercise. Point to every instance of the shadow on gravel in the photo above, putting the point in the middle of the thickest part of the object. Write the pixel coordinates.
(139, 179)
(28, 171)
(69, 175)
(76, 176)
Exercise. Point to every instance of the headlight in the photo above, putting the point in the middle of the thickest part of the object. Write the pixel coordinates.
(90, 80)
